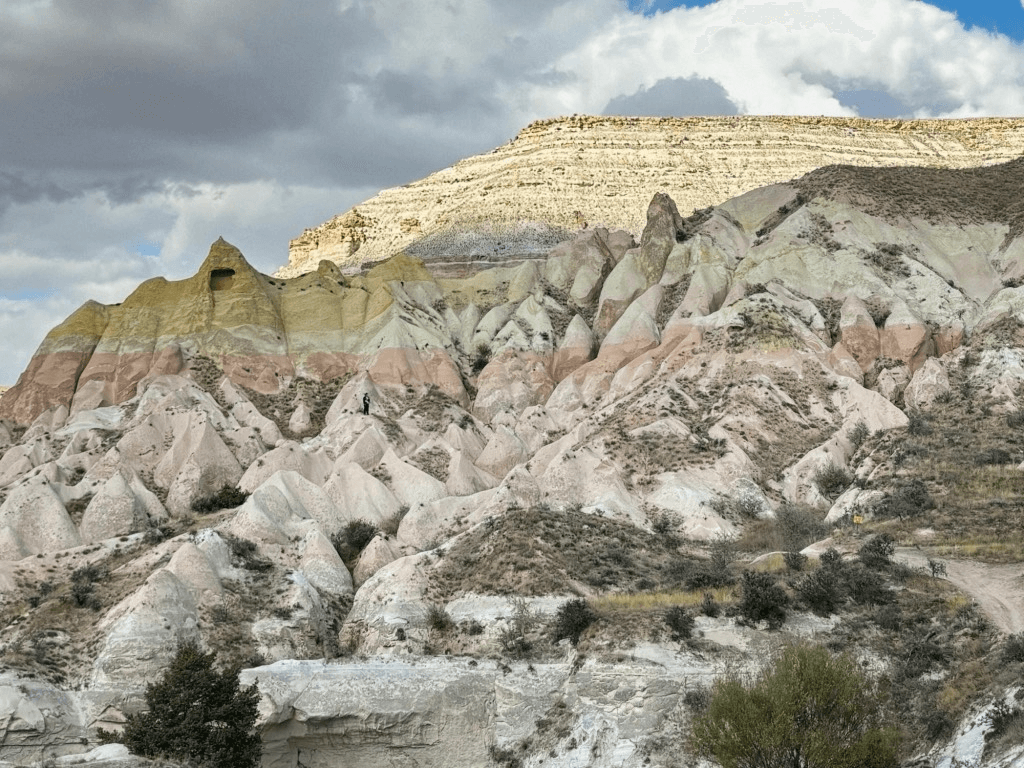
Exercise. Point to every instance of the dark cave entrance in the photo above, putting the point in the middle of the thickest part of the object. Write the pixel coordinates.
(221, 279)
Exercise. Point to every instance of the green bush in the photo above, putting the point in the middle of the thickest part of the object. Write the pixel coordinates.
(877, 552)
(859, 432)
(1014, 648)
(809, 709)
(197, 714)
(709, 606)
(794, 561)
(821, 591)
(907, 499)
(248, 554)
(226, 498)
(799, 525)
(438, 619)
(572, 619)
(864, 586)
(763, 599)
(832, 479)
(831, 558)
(680, 622)
(353, 538)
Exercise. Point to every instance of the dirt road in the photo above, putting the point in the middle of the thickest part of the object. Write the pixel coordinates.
(998, 589)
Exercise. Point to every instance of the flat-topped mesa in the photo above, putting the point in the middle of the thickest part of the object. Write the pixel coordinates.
(557, 174)
(260, 330)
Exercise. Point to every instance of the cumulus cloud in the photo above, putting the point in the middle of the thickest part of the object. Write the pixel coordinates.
(133, 134)
(774, 56)
(675, 97)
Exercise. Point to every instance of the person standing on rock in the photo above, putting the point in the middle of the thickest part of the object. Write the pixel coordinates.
(366, 404)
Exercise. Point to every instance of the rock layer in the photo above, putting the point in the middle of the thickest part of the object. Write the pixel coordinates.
(603, 170)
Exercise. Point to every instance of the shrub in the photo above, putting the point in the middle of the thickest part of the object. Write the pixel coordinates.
(794, 560)
(799, 525)
(481, 357)
(353, 538)
(992, 456)
(514, 637)
(864, 586)
(226, 498)
(680, 622)
(907, 499)
(877, 552)
(763, 599)
(197, 714)
(438, 619)
(697, 698)
(831, 558)
(709, 606)
(83, 582)
(1014, 648)
(572, 619)
(820, 590)
(859, 432)
(809, 709)
(918, 425)
(248, 553)
(832, 479)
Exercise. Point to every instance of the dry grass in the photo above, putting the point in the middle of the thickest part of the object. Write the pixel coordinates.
(978, 507)
(649, 601)
(963, 196)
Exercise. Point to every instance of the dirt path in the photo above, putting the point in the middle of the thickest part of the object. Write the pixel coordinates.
(998, 589)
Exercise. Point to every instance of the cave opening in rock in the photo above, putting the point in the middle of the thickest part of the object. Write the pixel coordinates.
(221, 279)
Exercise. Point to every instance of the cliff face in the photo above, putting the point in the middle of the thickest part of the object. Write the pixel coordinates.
(590, 420)
(557, 174)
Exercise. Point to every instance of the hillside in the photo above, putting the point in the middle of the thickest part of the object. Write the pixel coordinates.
(779, 389)
(556, 174)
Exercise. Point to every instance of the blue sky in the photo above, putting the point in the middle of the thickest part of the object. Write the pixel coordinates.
(1001, 16)
(133, 134)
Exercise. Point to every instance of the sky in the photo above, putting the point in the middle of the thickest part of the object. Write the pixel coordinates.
(133, 133)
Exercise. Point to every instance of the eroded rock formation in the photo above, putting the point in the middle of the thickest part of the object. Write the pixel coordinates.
(196, 463)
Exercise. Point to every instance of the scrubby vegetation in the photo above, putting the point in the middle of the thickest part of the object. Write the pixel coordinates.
(196, 714)
(809, 709)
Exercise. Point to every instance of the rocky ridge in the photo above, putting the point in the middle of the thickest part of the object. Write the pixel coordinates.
(557, 174)
(196, 464)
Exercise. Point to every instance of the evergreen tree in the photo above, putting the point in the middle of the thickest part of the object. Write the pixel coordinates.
(197, 714)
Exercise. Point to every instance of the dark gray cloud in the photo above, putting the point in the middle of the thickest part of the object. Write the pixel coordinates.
(675, 97)
(869, 102)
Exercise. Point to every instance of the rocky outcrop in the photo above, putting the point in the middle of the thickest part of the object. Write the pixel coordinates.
(569, 170)
(408, 470)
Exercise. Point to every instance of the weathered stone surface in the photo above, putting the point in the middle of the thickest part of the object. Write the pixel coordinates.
(604, 184)
(37, 520)
(123, 505)
(930, 382)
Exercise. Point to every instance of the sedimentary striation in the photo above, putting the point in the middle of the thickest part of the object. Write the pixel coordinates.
(582, 420)
(556, 174)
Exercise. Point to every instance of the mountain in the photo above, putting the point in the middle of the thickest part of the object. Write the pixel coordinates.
(640, 419)
(557, 174)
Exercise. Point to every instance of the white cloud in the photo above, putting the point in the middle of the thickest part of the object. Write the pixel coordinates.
(773, 57)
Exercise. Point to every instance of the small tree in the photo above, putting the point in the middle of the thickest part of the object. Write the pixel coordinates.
(573, 617)
(198, 714)
(810, 709)
(763, 599)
